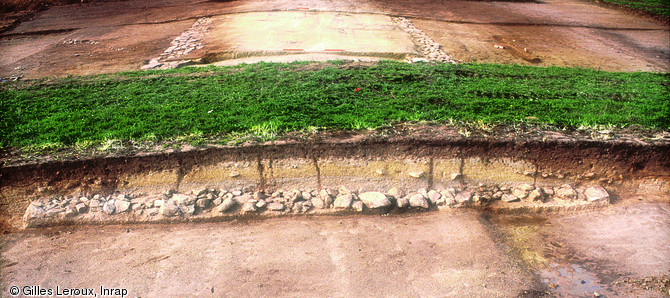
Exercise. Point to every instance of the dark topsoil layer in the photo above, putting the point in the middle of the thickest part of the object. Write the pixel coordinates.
(7, 6)
(625, 155)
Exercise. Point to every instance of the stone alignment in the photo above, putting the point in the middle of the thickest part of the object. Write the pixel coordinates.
(212, 203)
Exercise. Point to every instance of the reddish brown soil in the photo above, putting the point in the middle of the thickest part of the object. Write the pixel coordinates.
(561, 33)
(129, 33)
(7, 6)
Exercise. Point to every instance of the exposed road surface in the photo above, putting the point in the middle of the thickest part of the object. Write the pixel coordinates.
(458, 254)
(111, 36)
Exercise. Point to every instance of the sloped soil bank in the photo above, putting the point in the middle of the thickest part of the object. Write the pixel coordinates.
(535, 171)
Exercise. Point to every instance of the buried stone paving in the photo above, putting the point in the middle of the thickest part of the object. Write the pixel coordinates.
(562, 33)
(213, 203)
(520, 183)
(290, 32)
(309, 34)
(615, 252)
(244, 37)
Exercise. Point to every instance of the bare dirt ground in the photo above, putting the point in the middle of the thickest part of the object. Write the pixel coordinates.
(457, 254)
(562, 33)
(616, 252)
(124, 35)
(429, 255)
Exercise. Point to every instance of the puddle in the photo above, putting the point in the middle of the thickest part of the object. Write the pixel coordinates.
(570, 280)
(549, 258)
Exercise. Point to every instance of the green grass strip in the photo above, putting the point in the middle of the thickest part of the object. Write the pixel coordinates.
(654, 7)
(291, 97)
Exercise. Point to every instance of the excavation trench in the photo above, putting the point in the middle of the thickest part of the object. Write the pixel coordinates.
(484, 169)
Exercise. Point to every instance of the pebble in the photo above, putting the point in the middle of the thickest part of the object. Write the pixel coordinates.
(33, 212)
(200, 192)
(596, 194)
(526, 187)
(81, 208)
(402, 202)
(357, 205)
(169, 209)
(434, 197)
(536, 195)
(519, 193)
(450, 201)
(52, 212)
(509, 198)
(182, 199)
(463, 197)
(327, 196)
(566, 192)
(153, 64)
(276, 207)
(243, 198)
(249, 206)
(430, 49)
(396, 192)
(416, 174)
(374, 200)
(548, 191)
(69, 212)
(318, 203)
(295, 195)
(121, 206)
(226, 204)
(109, 207)
(448, 193)
(301, 207)
(187, 209)
(343, 201)
(202, 203)
(418, 201)
(299, 201)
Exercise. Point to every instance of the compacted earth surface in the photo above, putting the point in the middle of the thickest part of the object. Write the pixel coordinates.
(619, 251)
(111, 36)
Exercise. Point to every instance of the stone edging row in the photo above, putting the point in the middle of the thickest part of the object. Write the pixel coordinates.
(213, 202)
(187, 42)
(430, 49)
